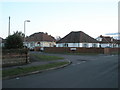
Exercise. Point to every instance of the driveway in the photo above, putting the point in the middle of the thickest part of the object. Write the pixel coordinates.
(96, 71)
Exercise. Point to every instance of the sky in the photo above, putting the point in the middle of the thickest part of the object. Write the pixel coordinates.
(59, 17)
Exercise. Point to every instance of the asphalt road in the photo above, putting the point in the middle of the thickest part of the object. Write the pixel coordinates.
(99, 71)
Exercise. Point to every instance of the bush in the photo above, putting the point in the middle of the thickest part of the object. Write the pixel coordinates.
(14, 41)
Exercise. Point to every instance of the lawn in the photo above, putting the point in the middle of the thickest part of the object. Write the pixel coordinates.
(18, 71)
(46, 57)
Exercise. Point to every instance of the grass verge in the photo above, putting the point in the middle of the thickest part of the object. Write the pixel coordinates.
(46, 57)
(18, 71)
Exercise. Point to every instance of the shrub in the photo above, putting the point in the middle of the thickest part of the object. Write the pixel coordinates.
(14, 41)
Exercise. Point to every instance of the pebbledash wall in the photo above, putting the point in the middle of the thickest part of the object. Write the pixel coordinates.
(81, 50)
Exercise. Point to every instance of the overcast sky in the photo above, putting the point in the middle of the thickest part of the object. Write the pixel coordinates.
(59, 17)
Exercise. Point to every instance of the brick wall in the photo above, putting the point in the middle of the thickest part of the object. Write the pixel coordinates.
(72, 50)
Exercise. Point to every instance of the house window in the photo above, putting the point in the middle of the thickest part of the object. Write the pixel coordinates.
(32, 44)
(50, 45)
(99, 39)
(94, 45)
(85, 45)
(114, 45)
(65, 45)
(74, 44)
(110, 45)
(111, 39)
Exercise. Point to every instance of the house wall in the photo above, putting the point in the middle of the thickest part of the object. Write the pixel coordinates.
(47, 44)
(118, 45)
(77, 45)
(32, 45)
(111, 45)
(1, 43)
(73, 44)
(104, 45)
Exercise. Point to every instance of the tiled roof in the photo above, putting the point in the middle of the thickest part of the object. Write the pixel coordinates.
(77, 37)
(40, 36)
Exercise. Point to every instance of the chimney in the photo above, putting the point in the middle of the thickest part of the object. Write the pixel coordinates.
(101, 36)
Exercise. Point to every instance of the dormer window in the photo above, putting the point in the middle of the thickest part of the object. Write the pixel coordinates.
(99, 39)
(112, 39)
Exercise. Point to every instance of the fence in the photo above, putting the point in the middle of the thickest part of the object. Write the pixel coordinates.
(111, 50)
(14, 57)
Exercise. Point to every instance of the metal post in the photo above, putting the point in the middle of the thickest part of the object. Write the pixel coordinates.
(24, 32)
(25, 28)
(9, 26)
(24, 39)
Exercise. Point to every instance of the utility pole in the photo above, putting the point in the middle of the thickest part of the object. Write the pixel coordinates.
(9, 27)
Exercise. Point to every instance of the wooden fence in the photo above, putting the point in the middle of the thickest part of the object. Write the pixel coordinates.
(111, 50)
(14, 57)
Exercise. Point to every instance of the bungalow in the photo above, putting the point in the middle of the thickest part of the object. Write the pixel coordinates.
(107, 41)
(39, 39)
(77, 39)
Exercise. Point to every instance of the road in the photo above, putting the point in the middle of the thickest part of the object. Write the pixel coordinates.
(99, 71)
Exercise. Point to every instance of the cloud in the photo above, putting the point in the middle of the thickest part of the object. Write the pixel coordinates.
(112, 34)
